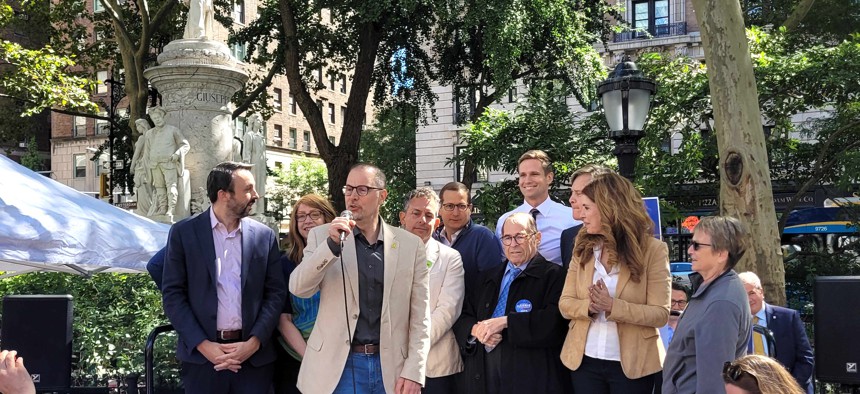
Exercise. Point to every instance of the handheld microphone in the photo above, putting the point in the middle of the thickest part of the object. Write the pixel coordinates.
(348, 215)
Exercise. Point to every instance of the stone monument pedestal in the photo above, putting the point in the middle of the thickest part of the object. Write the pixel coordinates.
(196, 79)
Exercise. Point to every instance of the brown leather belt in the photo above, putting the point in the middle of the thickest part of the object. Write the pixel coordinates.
(365, 349)
(228, 335)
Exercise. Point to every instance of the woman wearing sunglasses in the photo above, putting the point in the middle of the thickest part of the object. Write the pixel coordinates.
(299, 314)
(756, 374)
(616, 293)
(715, 327)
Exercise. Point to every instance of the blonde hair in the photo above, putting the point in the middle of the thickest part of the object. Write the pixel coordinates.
(540, 156)
(315, 201)
(762, 374)
(625, 223)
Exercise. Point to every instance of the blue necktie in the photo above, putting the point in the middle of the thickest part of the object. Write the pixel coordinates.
(503, 294)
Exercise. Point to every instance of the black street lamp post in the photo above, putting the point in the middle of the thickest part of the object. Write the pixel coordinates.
(116, 94)
(626, 99)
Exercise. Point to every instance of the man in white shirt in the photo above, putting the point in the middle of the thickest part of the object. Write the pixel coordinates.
(536, 174)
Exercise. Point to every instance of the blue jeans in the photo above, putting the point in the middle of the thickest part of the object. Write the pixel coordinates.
(365, 371)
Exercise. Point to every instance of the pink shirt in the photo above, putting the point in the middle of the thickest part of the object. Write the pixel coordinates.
(228, 265)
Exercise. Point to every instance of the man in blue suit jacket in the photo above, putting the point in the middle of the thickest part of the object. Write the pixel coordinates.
(224, 289)
(792, 346)
(578, 180)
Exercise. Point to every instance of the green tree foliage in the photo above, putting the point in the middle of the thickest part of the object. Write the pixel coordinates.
(304, 176)
(390, 144)
(544, 121)
(32, 159)
(485, 46)
(113, 313)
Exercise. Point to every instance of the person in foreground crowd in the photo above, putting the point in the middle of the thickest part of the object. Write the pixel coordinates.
(510, 331)
(224, 289)
(14, 378)
(372, 331)
(478, 246)
(299, 314)
(716, 325)
(616, 293)
(535, 176)
(578, 180)
(792, 346)
(446, 290)
(756, 374)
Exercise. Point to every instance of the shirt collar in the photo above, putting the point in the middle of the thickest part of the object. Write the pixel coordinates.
(214, 222)
(762, 316)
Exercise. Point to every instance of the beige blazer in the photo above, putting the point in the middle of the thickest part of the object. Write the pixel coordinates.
(638, 309)
(447, 290)
(404, 321)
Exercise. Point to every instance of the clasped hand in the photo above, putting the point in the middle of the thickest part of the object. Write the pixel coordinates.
(600, 300)
(489, 332)
(229, 356)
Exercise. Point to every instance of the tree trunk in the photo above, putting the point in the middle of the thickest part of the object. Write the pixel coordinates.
(745, 187)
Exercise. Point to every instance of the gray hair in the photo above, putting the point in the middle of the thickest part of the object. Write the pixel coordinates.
(750, 278)
(424, 192)
(524, 219)
(727, 234)
(378, 175)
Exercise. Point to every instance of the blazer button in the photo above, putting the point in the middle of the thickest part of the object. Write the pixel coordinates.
(487, 305)
(354, 316)
(346, 341)
(320, 267)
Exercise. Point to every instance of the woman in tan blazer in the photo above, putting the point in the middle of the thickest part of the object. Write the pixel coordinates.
(616, 293)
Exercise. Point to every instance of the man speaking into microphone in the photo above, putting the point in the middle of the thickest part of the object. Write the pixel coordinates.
(372, 330)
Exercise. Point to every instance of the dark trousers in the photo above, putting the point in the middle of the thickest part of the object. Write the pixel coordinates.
(596, 376)
(440, 385)
(286, 371)
(203, 378)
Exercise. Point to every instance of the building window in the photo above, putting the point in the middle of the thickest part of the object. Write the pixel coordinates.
(318, 75)
(343, 115)
(331, 115)
(651, 16)
(279, 165)
(293, 138)
(239, 50)
(239, 11)
(279, 135)
(306, 141)
(277, 97)
(80, 163)
(102, 126)
(332, 140)
(332, 81)
(239, 126)
(292, 104)
(101, 77)
(80, 127)
(97, 6)
(319, 105)
(343, 83)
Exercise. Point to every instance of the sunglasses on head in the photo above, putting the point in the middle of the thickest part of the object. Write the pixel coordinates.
(732, 373)
(697, 245)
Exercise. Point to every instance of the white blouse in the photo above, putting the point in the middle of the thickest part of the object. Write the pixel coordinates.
(602, 340)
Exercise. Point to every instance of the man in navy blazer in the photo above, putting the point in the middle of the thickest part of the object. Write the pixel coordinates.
(792, 346)
(578, 180)
(224, 289)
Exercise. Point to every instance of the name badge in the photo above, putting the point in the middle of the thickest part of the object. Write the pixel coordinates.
(524, 306)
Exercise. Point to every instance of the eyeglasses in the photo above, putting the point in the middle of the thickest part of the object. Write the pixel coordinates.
(734, 372)
(360, 190)
(314, 215)
(679, 302)
(460, 207)
(697, 245)
(518, 239)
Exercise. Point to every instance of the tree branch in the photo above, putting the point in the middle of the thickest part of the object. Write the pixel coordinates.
(798, 14)
(264, 84)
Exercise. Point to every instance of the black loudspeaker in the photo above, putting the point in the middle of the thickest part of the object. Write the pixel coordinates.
(39, 327)
(837, 326)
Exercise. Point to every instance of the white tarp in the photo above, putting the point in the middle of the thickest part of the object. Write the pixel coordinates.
(48, 226)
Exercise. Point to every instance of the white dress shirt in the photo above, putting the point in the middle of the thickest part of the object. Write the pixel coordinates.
(551, 221)
(602, 340)
(228, 265)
